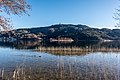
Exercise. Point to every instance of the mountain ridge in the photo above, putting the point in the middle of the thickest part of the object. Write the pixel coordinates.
(62, 31)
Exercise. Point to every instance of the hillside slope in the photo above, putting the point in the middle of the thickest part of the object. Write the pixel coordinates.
(75, 32)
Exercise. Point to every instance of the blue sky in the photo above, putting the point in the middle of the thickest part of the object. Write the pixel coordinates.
(94, 13)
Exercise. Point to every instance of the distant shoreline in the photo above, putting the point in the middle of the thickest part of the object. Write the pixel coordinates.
(61, 33)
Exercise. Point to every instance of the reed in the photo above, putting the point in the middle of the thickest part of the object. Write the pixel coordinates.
(75, 50)
(85, 73)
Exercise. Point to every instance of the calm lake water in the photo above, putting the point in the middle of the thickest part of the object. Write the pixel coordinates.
(19, 61)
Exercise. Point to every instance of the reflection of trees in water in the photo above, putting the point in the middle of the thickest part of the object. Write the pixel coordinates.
(26, 44)
(21, 44)
(71, 48)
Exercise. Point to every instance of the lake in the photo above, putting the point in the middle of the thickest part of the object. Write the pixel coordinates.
(94, 60)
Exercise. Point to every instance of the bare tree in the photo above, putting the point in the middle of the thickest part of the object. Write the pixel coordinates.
(16, 7)
(117, 16)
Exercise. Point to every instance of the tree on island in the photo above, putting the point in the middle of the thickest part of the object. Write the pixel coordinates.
(15, 7)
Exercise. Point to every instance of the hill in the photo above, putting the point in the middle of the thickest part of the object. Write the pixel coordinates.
(61, 32)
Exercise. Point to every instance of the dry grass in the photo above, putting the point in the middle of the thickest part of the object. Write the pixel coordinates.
(86, 72)
(75, 50)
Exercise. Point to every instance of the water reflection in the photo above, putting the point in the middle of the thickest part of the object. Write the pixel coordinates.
(78, 48)
(76, 61)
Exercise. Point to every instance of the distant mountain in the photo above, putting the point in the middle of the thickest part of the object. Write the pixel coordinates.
(62, 31)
